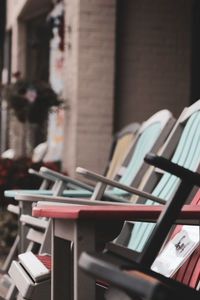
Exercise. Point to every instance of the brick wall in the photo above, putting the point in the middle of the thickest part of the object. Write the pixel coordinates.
(89, 81)
(153, 58)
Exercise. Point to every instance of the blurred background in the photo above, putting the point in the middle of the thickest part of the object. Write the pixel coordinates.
(74, 72)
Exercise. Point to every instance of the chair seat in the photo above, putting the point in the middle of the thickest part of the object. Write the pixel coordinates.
(32, 276)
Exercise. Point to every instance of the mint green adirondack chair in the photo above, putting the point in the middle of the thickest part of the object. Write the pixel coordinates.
(187, 154)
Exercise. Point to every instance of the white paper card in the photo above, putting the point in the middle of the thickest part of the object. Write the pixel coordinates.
(177, 250)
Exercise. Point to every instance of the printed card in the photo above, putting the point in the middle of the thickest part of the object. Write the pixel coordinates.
(177, 250)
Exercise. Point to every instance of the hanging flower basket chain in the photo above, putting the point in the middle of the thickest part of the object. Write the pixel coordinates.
(30, 101)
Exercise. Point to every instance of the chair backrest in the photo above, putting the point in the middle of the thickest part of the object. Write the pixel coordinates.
(120, 145)
(150, 137)
(185, 153)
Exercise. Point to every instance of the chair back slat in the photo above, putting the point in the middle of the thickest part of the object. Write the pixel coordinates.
(148, 137)
(195, 278)
(186, 155)
(144, 144)
(121, 147)
(122, 140)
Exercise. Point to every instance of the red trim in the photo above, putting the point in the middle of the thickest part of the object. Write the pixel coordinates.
(135, 212)
(181, 272)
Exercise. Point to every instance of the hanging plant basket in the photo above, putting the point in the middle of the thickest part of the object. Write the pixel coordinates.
(30, 101)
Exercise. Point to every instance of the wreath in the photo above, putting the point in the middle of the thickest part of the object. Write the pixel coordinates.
(30, 101)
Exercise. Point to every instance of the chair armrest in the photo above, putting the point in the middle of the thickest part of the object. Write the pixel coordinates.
(190, 214)
(110, 182)
(68, 200)
(95, 266)
(175, 169)
(41, 175)
(160, 162)
(66, 179)
(27, 197)
(34, 172)
(146, 213)
(136, 282)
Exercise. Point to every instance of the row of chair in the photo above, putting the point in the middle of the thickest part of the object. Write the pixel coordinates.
(161, 121)
(89, 227)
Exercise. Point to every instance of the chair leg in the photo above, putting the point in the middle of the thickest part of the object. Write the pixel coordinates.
(11, 256)
(62, 283)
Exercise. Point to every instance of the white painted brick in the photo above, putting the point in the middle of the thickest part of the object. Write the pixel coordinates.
(90, 89)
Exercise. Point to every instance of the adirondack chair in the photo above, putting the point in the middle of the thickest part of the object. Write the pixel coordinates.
(135, 278)
(151, 135)
(158, 125)
(85, 287)
(189, 120)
